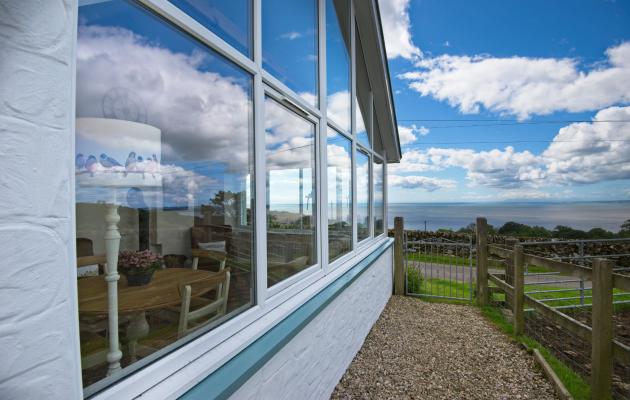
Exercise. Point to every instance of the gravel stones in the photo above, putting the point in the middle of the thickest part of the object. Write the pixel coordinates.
(422, 350)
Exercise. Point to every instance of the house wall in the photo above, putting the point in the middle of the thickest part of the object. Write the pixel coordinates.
(38, 316)
(313, 362)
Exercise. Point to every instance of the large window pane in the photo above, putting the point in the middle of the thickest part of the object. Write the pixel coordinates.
(378, 197)
(291, 196)
(363, 195)
(338, 62)
(164, 131)
(230, 20)
(339, 154)
(289, 40)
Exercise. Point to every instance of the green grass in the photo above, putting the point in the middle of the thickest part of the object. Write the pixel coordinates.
(441, 259)
(437, 287)
(574, 383)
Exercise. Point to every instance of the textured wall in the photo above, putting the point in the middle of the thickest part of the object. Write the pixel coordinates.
(38, 324)
(313, 362)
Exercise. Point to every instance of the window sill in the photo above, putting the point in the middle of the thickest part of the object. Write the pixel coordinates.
(176, 373)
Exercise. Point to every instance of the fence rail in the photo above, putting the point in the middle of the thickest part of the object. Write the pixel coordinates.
(605, 278)
(604, 348)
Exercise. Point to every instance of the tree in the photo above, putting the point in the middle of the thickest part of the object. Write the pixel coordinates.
(625, 228)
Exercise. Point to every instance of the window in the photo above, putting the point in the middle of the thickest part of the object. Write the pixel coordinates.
(290, 45)
(230, 20)
(363, 195)
(339, 150)
(163, 131)
(338, 62)
(379, 210)
(291, 195)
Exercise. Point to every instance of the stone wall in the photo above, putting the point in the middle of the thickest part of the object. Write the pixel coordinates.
(546, 250)
(38, 315)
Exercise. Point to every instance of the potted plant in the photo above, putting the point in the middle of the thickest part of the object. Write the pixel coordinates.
(138, 266)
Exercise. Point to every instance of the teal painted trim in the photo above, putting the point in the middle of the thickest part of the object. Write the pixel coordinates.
(231, 375)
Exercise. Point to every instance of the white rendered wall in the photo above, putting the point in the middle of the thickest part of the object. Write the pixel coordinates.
(313, 362)
(38, 315)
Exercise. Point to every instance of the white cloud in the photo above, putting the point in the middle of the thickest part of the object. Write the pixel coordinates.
(421, 182)
(495, 168)
(291, 35)
(397, 29)
(523, 86)
(202, 115)
(414, 161)
(592, 152)
(524, 195)
(581, 153)
(407, 134)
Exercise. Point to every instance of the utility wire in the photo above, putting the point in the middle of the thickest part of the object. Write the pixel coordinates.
(419, 143)
(502, 123)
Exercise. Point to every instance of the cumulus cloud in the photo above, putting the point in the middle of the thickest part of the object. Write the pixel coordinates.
(581, 153)
(203, 115)
(421, 182)
(591, 152)
(397, 29)
(408, 134)
(523, 86)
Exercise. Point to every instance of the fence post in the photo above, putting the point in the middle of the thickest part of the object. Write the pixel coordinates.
(509, 271)
(482, 261)
(519, 283)
(399, 271)
(601, 345)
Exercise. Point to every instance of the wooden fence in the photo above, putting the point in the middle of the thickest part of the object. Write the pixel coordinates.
(604, 348)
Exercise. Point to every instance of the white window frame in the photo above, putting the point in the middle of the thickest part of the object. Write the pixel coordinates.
(268, 302)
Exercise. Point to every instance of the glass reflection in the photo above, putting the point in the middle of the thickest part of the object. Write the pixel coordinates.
(291, 196)
(230, 20)
(363, 195)
(339, 151)
(378, 197)
(338, 62)
(289, 44)
(164, 131)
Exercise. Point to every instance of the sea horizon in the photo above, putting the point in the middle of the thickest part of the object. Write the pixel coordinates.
(583, 215)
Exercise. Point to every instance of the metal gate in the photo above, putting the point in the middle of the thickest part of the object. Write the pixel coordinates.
(439, 268)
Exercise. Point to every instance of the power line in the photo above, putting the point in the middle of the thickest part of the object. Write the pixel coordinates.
(503, 123)
(555, 121)
(517, 141)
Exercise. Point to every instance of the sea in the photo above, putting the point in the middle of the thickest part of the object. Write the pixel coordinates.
(608, 215)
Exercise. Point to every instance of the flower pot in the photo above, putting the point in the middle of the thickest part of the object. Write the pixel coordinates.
(141, 279)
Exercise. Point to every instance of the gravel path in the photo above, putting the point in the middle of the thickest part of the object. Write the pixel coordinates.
(421, 350)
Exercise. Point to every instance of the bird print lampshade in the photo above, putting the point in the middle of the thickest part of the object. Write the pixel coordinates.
(114, 153)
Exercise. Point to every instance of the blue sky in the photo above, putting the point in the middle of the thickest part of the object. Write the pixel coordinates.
(509, 80)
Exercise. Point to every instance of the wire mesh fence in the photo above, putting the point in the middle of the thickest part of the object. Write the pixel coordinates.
(439, 268)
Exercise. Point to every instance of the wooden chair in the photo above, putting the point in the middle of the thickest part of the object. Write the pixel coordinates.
(218, 256)
(193, 313)
(196, 312)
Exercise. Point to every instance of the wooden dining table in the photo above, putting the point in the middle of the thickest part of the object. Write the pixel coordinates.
(161, 292)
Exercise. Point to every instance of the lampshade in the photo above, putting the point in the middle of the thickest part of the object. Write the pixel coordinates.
(114, 153)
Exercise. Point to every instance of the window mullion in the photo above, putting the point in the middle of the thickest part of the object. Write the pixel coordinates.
(321, 184)
(260, 194)
(353, 125)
